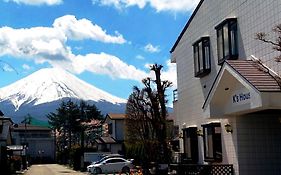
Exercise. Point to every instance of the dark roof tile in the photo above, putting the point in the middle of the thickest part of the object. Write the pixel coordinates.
(256, 74)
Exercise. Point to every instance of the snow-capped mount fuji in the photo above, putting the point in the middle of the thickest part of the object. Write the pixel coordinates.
(41, 93)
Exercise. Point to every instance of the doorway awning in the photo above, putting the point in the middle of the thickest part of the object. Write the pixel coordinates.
(243, 86)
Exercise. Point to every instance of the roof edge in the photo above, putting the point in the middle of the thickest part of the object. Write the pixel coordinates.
(186, 26)
(217, 76)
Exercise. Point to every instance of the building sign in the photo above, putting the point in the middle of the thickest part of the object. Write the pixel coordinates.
(241, 98)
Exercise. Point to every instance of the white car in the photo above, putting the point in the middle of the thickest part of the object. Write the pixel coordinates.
(111, 165)
(106, 157)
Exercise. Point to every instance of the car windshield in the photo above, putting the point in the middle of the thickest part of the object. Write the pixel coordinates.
(106, 157)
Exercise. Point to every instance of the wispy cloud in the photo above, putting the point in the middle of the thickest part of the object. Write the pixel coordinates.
(140, 57)
(152, 49)
(7, 68)
(158, 5)
(36, 2)
(26, 67)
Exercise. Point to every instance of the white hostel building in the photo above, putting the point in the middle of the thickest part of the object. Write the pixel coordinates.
(228, 105)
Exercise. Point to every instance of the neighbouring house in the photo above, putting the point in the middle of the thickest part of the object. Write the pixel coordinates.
(228, 100)
(5, 140)
(112, 139)
(39, 140)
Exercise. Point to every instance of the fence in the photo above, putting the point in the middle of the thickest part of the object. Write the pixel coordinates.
(188, 169)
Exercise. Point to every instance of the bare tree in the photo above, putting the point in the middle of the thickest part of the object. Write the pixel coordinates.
(146, 116)
(276, 45)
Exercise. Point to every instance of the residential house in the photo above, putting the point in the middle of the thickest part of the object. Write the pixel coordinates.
(5, 140)
(228, 105)
(113, 137)
(39, 140)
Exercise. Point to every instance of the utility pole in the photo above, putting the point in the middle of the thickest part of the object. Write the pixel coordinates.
(27, 120)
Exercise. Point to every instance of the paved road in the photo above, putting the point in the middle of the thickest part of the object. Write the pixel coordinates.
(51, 169)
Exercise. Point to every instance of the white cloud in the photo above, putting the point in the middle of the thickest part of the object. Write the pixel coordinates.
(159, 5)
(152, 49)
(106, 64)
(37, 42)
(85, 29)
(169, 72)
(49, 44)
(26, 67)
(174, 5)
(37, 2)
(119, 4)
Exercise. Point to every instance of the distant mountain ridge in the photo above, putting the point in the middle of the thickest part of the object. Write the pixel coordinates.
(41, 93)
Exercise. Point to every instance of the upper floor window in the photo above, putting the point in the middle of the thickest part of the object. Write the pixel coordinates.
(190, 141)
(227, 40)
(201, 51)
(110, 128)
(212, 142)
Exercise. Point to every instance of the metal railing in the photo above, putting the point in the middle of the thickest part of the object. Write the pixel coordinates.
(191, 169)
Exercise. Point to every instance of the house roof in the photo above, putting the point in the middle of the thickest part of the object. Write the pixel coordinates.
(107, 140)
(116, 116)
(31, 128)
(186, 26)
(6, 118)
(256, 74)
(251, 72)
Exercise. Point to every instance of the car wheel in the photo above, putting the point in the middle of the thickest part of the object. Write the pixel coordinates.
(97, 171)
(125, 169)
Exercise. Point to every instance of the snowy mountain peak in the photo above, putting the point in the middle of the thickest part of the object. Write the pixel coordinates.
(52, 84)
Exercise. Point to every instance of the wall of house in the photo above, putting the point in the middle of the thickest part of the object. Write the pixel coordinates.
(4, 135)
(253, 16)
(119, 130)
(259, 141)
(38, 141)
(41, 148)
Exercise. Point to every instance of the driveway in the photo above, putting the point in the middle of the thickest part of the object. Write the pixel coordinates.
(51, 169)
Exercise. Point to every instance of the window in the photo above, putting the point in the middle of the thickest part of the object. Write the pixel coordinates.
(212, 142)
(190, 141)
(227, 40)
(201, 51)
(110, 128)
(115, 160)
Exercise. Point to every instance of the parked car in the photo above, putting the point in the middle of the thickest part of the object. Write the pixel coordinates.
(111, 165)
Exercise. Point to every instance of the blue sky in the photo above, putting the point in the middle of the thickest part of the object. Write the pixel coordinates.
(107, 43)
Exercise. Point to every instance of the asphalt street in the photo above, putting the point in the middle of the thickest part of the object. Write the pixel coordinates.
(51, 169)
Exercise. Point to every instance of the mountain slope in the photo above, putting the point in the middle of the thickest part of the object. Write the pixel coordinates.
(42, 92)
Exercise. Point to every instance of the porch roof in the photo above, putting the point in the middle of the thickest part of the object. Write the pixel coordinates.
(243, 86)
(106, 140)
(256, 74)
